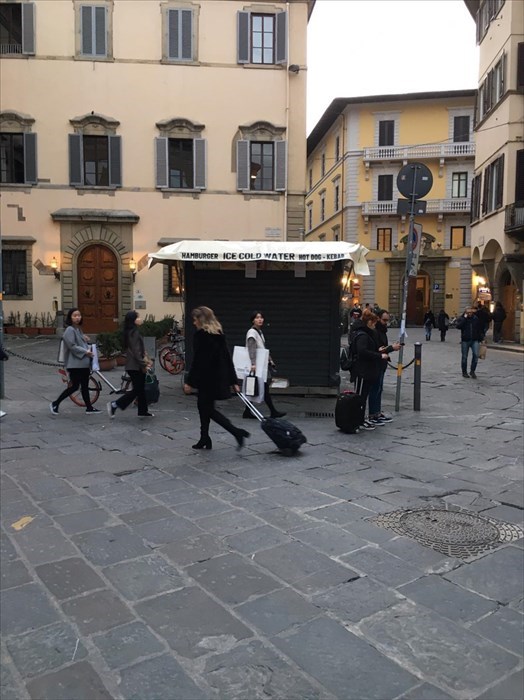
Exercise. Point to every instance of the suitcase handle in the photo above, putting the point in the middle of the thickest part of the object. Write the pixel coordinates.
(254, 410)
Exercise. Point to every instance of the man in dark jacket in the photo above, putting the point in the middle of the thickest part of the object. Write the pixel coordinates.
(472, 333)
(376, 416)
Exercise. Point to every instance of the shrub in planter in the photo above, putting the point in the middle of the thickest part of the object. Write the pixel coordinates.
(109, 346)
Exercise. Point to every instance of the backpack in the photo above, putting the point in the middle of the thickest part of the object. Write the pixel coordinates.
(348, 355)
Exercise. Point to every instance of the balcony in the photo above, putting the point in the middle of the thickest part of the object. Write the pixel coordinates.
(514, 221)
(6, 49)
(433, 150)
(435, 206)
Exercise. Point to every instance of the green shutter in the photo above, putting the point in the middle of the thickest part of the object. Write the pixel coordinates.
(243, 37)
(161, 164)
(199, 164)
(30, 172)
(243, 165)
(75, 160)
(28, 28)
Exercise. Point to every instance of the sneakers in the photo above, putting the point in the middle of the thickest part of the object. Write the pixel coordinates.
(385, 418)
(93, 410)
(366, 425)
(53, 408)
(473, 375)
(465, 375)
(146, 415)
(111, 409)
(376, 420)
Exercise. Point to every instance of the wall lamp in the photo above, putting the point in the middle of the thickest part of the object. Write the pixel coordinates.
(132, 267)
(54, 267)
(294, 68)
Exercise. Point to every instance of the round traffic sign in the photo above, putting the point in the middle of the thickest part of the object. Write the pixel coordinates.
(414, 179)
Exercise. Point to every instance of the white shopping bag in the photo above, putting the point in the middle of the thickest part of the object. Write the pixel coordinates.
(242, 365)
(95, 367)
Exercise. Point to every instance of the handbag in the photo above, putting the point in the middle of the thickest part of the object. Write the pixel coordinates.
(251, 384)
(483, 348)
(60, 358)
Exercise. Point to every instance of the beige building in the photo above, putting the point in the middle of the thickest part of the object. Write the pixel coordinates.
(125, 126)
(497, 233)
(355, 153)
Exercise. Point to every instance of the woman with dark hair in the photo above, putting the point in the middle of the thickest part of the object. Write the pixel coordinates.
(213, 374)
(77, 361)
(255, 340)
(136, 366)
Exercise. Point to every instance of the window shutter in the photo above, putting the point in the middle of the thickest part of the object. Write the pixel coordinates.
(243, 165)
(485, 189)
(243, 38)
(500, 182)
(519, 177)
(30, 159)
(280, 165)
(87, 30)
(28, 28)
(520, 66)
(281, 37)
(199, 164)
(172, 33)
(161, 161)
(100, 31)
(187, 35)
(115, 161)
(75, 160)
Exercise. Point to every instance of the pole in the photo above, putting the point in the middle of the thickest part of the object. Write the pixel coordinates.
(409, 255)
(417, 376)
(2, 393)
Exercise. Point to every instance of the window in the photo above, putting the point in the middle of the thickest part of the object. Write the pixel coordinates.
(458, 237)
(93, 31)
(95, 161)
(310, 178)
(459, 185)
(385, 188)
(386, 132)
(493, 186)
(18, 158)
(179, 34)
(261, 165)
(17, 32)
(337, 149)
(14, 272)
(181, 163)
(337, 195)
(323, 164)
(262, 38)
(174, 287)
(492, 89)
(520, 66)
(323, 206)
(336, 233)
(519, 177)
(309, 217)
(487, 12)
(384, 239)
(476, 186)
(461, 129)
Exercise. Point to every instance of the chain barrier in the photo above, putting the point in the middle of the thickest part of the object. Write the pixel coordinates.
(30, 359)
(395, 367)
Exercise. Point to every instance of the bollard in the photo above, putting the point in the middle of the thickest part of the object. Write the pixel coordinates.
(417, 376)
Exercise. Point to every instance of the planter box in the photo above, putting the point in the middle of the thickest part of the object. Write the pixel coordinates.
(121, 360)
(29, 330)
(12, 330)
(107, 363)
(46, 331)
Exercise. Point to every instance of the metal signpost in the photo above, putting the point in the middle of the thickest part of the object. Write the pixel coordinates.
(414, 181)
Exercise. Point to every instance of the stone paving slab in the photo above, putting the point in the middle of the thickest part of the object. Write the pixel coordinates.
(151, 571)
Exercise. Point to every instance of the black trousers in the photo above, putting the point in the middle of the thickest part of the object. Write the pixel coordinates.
(138, 381)
(79, 377)
(208, 412)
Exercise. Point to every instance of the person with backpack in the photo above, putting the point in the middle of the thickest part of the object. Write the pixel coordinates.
(498, 316)
(368, 358)
(376, 416)
(429, 323)
(442, 324)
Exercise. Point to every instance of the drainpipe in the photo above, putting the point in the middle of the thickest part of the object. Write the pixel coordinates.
(287, 122)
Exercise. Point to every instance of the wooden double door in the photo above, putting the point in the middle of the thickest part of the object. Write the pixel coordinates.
(97, 269)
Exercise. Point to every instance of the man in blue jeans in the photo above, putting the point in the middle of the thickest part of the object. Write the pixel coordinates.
(376, 416)
(472, 333)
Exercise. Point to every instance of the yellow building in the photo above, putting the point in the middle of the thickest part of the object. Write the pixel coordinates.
(355, 153)
(497, 232)
(125, 126)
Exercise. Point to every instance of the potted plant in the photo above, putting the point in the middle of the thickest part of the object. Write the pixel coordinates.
(108, 347)
(30, 324)
(12, 325)
(48, 324)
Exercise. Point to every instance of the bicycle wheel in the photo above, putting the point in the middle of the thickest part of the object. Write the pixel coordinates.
(174, 362)
(162, 353)
(94, 392)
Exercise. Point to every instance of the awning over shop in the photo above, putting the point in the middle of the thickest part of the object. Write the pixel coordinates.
(253, 251)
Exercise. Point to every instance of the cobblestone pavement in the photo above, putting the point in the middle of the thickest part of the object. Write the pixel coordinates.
(136, 568)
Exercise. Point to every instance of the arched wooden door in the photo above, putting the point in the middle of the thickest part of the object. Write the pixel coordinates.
(418, 299)
(98, 288)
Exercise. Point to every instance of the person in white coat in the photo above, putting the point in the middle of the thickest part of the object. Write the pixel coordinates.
(255, 340)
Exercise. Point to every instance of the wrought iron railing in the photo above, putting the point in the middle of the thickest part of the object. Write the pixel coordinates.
(10, 48)
(514, 217)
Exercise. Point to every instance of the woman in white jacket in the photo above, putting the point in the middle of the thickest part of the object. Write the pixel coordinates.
(254, 340)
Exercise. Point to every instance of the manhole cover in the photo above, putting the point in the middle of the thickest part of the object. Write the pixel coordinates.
(453, 532)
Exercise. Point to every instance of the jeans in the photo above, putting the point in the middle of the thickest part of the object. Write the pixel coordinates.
(375, 395)
(138, 381)
(465, 346)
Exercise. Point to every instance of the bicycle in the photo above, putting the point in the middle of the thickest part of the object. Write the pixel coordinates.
(95, 386)
(172, 357)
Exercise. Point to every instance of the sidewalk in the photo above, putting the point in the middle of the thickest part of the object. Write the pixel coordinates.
(135, 568)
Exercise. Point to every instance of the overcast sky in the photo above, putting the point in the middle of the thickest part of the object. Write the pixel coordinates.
(374, 47)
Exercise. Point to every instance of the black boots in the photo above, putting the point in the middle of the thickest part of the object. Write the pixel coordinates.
(239, 437)
(204, 443)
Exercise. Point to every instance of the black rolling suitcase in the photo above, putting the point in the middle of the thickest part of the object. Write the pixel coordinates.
(349, 412)
(286, 436)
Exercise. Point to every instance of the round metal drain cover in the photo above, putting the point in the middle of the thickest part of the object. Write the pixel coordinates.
(451, 531)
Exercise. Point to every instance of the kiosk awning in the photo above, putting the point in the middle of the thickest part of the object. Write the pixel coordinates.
(252, 251)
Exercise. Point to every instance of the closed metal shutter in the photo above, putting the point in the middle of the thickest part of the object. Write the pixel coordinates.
(301, 328)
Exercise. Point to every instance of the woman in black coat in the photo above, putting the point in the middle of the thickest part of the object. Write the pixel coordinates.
(213, 374)
(368, 364)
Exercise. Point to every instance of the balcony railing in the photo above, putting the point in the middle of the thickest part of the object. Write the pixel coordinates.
(434, 150)
(434, 206)
(10, 48)
(514, 221)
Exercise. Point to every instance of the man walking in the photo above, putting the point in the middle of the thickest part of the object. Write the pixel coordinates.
(472, 333)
